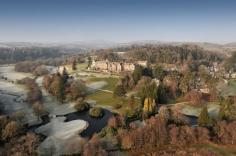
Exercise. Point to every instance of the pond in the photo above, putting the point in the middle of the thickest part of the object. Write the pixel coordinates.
(95, 124)
(192, 120)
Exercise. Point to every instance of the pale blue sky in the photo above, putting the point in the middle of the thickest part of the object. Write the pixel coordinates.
(118, 20)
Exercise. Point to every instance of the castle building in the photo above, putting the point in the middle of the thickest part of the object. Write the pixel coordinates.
(115, 67)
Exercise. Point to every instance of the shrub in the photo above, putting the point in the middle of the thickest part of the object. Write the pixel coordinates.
(117, 106)
(81, 106)
(96, 112)
(40, 70)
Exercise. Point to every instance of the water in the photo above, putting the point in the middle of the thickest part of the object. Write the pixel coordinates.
(192, 120)
(95, 124)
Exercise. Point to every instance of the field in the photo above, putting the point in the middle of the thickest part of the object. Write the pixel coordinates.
(110, 82)
(82, 66)
(104, 96)
(187, 109)
(11, 75)
(227, 89)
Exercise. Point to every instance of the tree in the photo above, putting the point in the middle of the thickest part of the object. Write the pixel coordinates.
(164, 112)
(203, 72)
(57, 87)
(96, 112)
(204, 118)
(81, 105)
(127, 142)
(65, 75)
(112, 122)
(93, 148)
(3, 122)
(132, 102)
(147, 72)
(74, 64)
(40, 70)
(38, 109)
(149, 105)
(127, 81)
(195, 97)
(187, 82)
(89, 61)
(230, 62)
(47, 80)
(147, 88)
(22, 145)
(77, 89)
(227, 110)
(171, 81)
(162, 93)
(119, 91)
(18, 116)
(159, 73)
(137, 73)
(10, 130)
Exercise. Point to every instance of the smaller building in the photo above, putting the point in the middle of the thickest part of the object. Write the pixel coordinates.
(142, 63)
(128, 67)
(233, 75)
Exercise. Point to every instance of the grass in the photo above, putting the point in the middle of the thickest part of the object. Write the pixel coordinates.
(82, 66)
(213, 108)
(228, 89)
(111, 82)
(107, 99)
(219, 149)
(104, 98)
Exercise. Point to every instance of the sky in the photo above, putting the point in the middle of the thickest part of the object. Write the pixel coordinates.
(117, 20)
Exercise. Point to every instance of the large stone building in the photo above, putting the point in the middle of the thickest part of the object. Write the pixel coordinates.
(116, 67)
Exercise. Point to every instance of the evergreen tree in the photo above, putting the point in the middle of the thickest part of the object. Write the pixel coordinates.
(74, 64)
(57, 87)
(159, 73)
(162, 93)
(204, 118)
(65, 75)
(227, 110)
(119, 91)
(89, 61)
(137, 73)
(132, 102)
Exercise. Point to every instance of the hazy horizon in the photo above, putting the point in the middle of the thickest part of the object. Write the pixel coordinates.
(117, 21)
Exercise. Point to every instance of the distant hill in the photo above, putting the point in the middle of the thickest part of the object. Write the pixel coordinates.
(233, 44)
(98, 44)
(85, 45)
(221, 48)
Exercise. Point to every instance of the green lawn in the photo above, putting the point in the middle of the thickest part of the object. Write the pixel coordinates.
(104, 98)
(108, 100)
(82, 66)
(213, 109)
(111, 82)
(228, 89)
